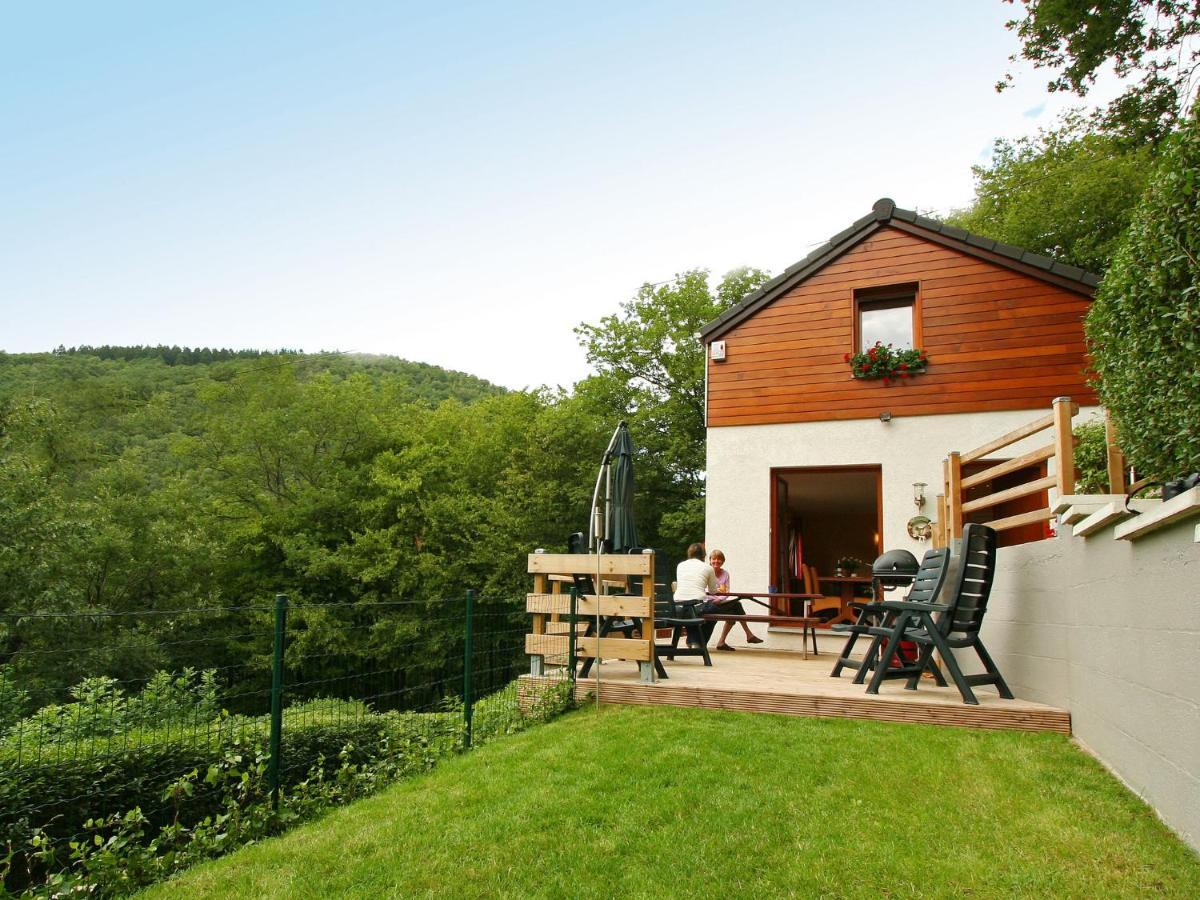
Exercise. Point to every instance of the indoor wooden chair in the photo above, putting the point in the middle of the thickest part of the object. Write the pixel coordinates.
(812, 585)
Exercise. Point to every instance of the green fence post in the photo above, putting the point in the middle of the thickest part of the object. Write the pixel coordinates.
(277, 698)
(468, 700)
(571, 638)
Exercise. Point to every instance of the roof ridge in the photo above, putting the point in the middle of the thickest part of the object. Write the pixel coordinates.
(1028, 257)
(883, 211)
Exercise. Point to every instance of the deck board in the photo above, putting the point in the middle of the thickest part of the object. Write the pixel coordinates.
(782, 682)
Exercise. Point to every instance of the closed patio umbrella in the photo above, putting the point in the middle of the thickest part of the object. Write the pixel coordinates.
(622, 530)
(613, 528)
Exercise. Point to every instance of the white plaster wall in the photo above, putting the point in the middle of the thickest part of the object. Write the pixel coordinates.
(909, 449)
(1110, 630)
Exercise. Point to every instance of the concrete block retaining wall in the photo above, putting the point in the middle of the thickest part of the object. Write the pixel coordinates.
(1110, 630)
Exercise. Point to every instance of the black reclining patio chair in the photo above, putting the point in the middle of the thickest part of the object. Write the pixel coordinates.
(925, 587)
(957, 624)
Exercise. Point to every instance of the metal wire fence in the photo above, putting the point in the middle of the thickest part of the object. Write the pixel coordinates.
(104, 712)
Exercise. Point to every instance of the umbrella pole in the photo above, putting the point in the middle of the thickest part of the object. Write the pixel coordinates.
(608, 503)
(599, 593)
(597, 543)
(601, 526)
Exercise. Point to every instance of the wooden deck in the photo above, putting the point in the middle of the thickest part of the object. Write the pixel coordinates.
(780, 681)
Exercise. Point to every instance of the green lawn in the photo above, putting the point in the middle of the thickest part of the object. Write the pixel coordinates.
(670, 802)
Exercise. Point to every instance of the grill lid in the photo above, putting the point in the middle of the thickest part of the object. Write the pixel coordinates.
(895, 567)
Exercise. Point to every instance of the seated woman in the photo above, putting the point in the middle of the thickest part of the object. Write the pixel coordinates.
(717, 604)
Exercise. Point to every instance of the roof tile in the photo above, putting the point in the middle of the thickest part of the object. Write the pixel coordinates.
(1067, 271)
(1008, 250)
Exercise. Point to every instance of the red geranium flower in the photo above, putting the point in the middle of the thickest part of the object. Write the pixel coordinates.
(863, 367)
(903, 366)
(847, 357)
(886, 380)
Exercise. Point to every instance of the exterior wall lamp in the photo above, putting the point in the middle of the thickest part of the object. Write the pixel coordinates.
(885, 417)
(920, 528)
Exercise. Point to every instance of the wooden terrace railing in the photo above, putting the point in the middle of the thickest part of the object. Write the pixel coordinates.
(952, 503)
(550, 640)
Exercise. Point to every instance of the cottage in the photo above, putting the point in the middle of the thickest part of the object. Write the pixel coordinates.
(808, 463)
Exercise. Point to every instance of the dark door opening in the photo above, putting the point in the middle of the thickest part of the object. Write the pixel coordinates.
(820, 515)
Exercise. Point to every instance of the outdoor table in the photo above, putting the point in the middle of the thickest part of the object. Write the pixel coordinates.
(762, 599)
(846, 585)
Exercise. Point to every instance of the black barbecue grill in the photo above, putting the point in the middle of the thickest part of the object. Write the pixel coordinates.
(896, 568)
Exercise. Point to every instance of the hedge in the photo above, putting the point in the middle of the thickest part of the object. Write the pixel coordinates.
(1144, 326)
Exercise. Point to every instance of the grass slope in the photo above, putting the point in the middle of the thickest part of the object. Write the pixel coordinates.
(672, 802)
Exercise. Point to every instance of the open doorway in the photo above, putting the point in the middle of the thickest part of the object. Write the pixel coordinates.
(820, 516)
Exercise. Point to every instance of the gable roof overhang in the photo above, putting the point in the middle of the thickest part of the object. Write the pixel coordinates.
(886, 214)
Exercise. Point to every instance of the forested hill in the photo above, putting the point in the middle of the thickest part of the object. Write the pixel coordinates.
(430, 383)
(142, 481)
(132, 485)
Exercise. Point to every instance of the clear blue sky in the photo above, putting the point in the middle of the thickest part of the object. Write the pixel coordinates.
(459, 183)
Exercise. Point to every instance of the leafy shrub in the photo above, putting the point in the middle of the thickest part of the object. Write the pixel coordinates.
(100, 708)
(1091, 458)
(325, 708)
(119, 853)
(122, 852)
(497, 714)
(553, 701)
(130, 808)
(187, 695)
(61, 796)
(1144, 327)
(14, 700)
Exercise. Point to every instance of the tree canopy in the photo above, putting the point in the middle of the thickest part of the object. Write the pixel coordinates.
(134, 484)
(1151, 41)
(1066, 192)
(650, 370)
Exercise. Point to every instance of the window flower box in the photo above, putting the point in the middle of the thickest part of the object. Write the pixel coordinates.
(886, 362)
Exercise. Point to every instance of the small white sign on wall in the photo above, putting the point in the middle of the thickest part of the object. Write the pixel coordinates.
(718, 351)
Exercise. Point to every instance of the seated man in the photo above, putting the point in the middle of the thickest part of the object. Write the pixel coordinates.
(694, 581)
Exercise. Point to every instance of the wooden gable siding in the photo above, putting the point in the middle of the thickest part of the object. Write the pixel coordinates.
(997, 339)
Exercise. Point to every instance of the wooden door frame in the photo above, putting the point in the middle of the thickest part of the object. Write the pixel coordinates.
(775, 471)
